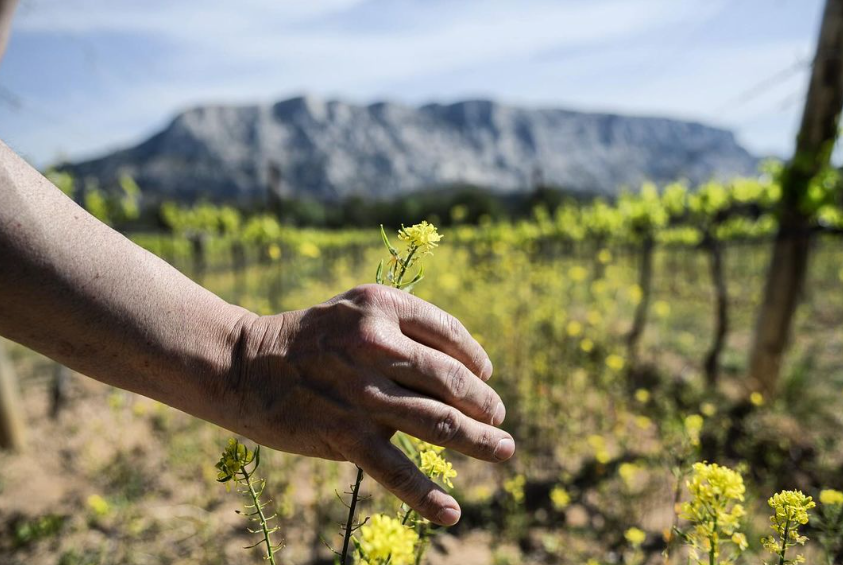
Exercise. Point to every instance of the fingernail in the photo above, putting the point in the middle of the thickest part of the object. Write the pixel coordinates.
(486, 372)
(448, 516)
(505, 449)
(500, 415)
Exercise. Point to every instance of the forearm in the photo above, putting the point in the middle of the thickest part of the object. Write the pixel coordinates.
(84, 295)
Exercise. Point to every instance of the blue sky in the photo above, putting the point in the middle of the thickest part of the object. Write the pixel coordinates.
(82, 77)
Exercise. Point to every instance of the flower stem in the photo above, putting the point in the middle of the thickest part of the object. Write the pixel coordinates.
(259, 510)
(784, 541)
(355, 495)
(404, 264)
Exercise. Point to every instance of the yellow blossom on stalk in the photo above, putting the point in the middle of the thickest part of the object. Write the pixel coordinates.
(635, 536)
(831, 497)
(423, 236)
(642, 395)
(715, 509)
(740, 540)
(98, 505)
(435, 466)
(574, 328)
(560, 498)
(383, 538)
(628, 472)
(693, 426)
(515, 487)
(756, 398)
(790, 510)
(586, 345)
(615, 362)
(598, 444)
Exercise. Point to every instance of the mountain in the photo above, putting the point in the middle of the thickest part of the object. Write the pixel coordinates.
(331, 149)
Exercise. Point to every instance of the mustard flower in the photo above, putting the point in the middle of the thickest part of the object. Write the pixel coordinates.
(635, 536)
(560, 498)
(423, 236)
(435, 466)
(384, 538)
(831, 497)
(715, 508)
(790, 510)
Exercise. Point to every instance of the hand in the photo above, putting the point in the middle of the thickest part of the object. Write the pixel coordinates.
(337, 380)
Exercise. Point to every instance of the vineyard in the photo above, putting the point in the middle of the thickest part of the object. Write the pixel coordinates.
(621, 334)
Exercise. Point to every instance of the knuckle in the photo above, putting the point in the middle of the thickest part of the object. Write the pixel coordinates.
(486, 441)
(452, 327)
(402, 478)
(456, 381)
(447, 427)
(490, 405)
(369, 294)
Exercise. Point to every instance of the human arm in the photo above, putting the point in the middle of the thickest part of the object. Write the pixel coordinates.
(333, 381)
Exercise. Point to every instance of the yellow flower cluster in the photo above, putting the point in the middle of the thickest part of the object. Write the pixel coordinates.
(423, 236)
(790, 510)
(435, 466)
(515, 488)
(693, 427)
(560, 498)
(384, 538)
(714, 508)
(831, 497)
(635, 536)
(233, 459)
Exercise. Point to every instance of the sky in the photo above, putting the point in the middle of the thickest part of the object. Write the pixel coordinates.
(84, 77)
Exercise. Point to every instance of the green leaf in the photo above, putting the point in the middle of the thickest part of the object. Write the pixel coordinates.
(392, 250)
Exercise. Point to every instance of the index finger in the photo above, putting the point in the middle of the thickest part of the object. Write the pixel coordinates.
(425, 323)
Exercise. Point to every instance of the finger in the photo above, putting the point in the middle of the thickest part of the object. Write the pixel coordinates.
(435, 328)
(440, 424)
(429, 371)
(390, 467)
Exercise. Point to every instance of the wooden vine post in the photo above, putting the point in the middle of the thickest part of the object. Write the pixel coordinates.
(789, 264)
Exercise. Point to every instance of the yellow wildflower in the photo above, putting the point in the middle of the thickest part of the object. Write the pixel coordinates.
(831, 497)
(586, 345)
(693, 427)
(615, 362)
(635, 536)
(756, 398)
(423, 236)
(560, 498)
(435, 466)
(515, 487)
(98, 505)
(574, 328)
(383, 538)
(790, 510)
(642, 395)
(740, 540)
(714, 508)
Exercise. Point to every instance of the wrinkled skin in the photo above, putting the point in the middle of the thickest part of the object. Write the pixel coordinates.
(337, 380)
